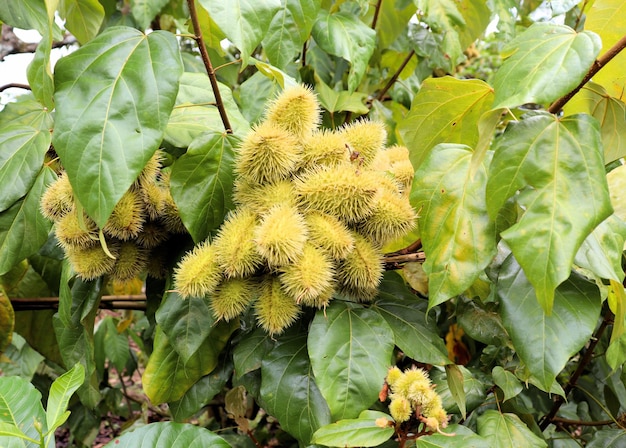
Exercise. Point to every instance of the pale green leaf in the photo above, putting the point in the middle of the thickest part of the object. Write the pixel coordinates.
(457, 234)
(463, 438)
(445, 110)
(506, 381)
(144, 11)
(393, 21)
(543, 63)
(616, 352)
(474, 387)
(507, 431)
(23, 360)
(27, 15)
(617, 190)
(61, 391)
(83, 18)
(211, 33)
(20, 408)
(170, 435)
(26, 111)
(334, 101)
(444, 18)
(39, 73)
(557, 167)
(455, 379)
(275, 74)
(362, 431)
(601, 252)
(113, 99)
(253, 95)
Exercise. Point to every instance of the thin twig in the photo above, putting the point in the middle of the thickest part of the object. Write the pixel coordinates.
(303, 57)
(376, 13)
(597, 65)
(395, 76)
(15, 85)
(567, 421)
(209, 67)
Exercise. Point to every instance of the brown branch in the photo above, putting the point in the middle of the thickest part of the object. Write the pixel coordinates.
(128, 302)
(395, 76)
(14, 85)
(566, 421)
(209, 67)
(376, 13)
(11, 44)
(595, 68)
(409, 254)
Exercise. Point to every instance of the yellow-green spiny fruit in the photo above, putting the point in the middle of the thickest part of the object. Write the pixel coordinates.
(154, 197)
(152, 234)
(296, 110)
(158, 260)
(281, 235)
(344, 191)
(268, 154)
(92, 262)
(400, 166)
(308, 277)
(232, 297)
(400, 409)
(170, 216)
(58, 199)
(131, 261)
(391, 218)
(262, 197)
(72, 230)
(366, 138)
(127, 218)
(275, 310)
(329, 234)
(198, 273)
(235, 250)
(362, 269)
(151, 170)
(326, 148)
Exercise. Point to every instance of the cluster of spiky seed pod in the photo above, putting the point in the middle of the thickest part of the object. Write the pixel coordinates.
(314, 209)
(412, 395)
(131, 241)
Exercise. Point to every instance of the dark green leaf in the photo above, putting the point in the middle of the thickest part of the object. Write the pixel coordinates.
(82, 18)
(608, 438)
(253, 95)
(473, 384)
(250, 351)
(113, 100)
(170, 435)
(463, 438)
(39, 73)
(507, 431)
(481, 322)
(115, 344)
(601, 252)
(362, 431)
(455, 379)
(20, 405)
(506, 381)
(350, 349)
(202, 183)
(144, 11)
(557, 164)
(545, 343)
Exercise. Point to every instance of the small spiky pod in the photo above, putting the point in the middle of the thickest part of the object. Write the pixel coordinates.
(198, 273)
(232, 297)
(400, 409)
(170, 217)
(392, 217)
(71, 231)
(150, 171)
(274, 309)
(343, 191)
(296, 110)
(362, 269)
(366, 138)
(157, 266)
(261, 198)
(268, 154)
(324, 148)
(154, 197)
(329, 234)
(281, 235)
(235, 251)
(58, 199)
(152, 234)
(131, 261)
(127, 218)
(92, 262)
(401, 167)
(309, 277)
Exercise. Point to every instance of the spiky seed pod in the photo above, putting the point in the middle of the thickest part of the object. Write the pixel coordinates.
(400, 409)
(157, 266)
(393, 375)
(326, 148)
(152, 234)
(154, 197)
(170, 216)
(397, 153)
(308, 277)
(392, 218)
(403, 172)
(127, 218)
(411, 382)
(150, 170)
(296, 110)
(366, 138)
(274, 309)
(131, 261)
(329, 234)
(361, 295)
(268, 154)
(322, 300)
(281, 235)
(343, 191)
(261, 198)
(232, 297)
(71, 231)
(235, 251)
(198, 273)
(380, 162)
(58, 199)
(92, 262)
(362, 269)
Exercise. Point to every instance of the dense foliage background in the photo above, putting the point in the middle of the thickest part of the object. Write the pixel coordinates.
(510, 294)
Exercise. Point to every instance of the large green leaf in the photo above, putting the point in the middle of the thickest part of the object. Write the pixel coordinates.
(557, 166)
(21, 360)
(26, 111)
(458, 236)
(445, 110)
(350, 349)
(546, 342)
(481, 322)
(343, 34)
(507, 431)
(168, 435)
(202, 182)
(113, 100)
(463, 438)
(506, 381)
(61, 391)
(543, 63)
(289, 29)
(23, 230)
(144, 11)
(250, 350)
(245, 22)
(20, 406)
(362, 431)
(39, 72)
(22, 152)
(289, 390)
(82, 18)
(27, 15)
(601, 252)
(608, 438)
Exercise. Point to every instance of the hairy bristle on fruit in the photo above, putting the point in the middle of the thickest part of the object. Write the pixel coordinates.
(366, 138)
(329, 234)
(234, 248)
(296, 110)
(325, 148)
(281, 235)
(262, 197)
(198, 273)
(72, 230)
(131, 261)
(392, 218)
(308, 277)
(232, 297)
(92, 262)
(58, 199)
(127, 218)
(275, 310)
(362, 269)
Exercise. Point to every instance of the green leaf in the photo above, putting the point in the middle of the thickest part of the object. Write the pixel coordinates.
(362, 431)
(23, 230)
(144, 11)
(22, 152)
(544, 63)
(458, 236)
(455, 379)
(250, 351)
(275, 74)
(195, 111)
(39, 73)
(616, 352)
(506, 381)
(113, 99)
(289, 30)
(617, 190)
(343, 34)
(601, 252)
(557, 167)
(20, 406)
(170, 435)
(26, 111)
(444, 17)
(83, 18)
(481, 322)
(350, 349)
(334, 101)
(474, 385)
(114, 344)
(445, 110)
(22, 361)
(60, 393)
(14, 436)
(507, 431)
(245, 22)
(546, 342)
(608, 438)
(289, 390)
(27, 16)
(253, 95)
(463, 438)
